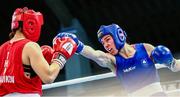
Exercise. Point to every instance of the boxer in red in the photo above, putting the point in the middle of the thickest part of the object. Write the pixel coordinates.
(24, 65)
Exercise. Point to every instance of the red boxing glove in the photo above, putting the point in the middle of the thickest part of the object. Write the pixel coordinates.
(64, 48)
(47, 53)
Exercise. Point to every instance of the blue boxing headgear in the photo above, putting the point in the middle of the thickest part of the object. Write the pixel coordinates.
(118, 35)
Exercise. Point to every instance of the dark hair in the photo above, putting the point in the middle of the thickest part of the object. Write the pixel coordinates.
(11, 35)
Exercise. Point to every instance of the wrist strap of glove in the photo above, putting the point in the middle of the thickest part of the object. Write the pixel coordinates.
(80, 47)
(59, 58)
(172, 65)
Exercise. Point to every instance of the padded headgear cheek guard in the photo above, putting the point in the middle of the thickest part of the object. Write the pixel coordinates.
(32, 22)
(118, 35)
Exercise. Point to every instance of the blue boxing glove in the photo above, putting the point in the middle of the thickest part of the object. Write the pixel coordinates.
(80, 45)
(163, 55)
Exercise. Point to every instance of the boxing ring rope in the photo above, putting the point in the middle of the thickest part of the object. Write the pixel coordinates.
(78, 80)
(97, 77)
(85, 79)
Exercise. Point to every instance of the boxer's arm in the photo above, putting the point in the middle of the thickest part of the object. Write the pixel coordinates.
(46, 72)
(177, 65)
(149, 48)
(101, 58)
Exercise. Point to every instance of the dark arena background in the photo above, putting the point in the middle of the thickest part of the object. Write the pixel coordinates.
(145, 21)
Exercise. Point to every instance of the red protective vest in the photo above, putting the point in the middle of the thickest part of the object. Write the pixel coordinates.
(12, 78)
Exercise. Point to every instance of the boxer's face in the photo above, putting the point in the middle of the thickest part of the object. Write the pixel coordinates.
(108, 43)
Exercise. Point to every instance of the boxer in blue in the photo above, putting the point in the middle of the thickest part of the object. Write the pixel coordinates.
(134, 65)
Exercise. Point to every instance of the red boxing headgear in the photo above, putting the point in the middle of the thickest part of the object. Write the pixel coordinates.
(32, 22)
